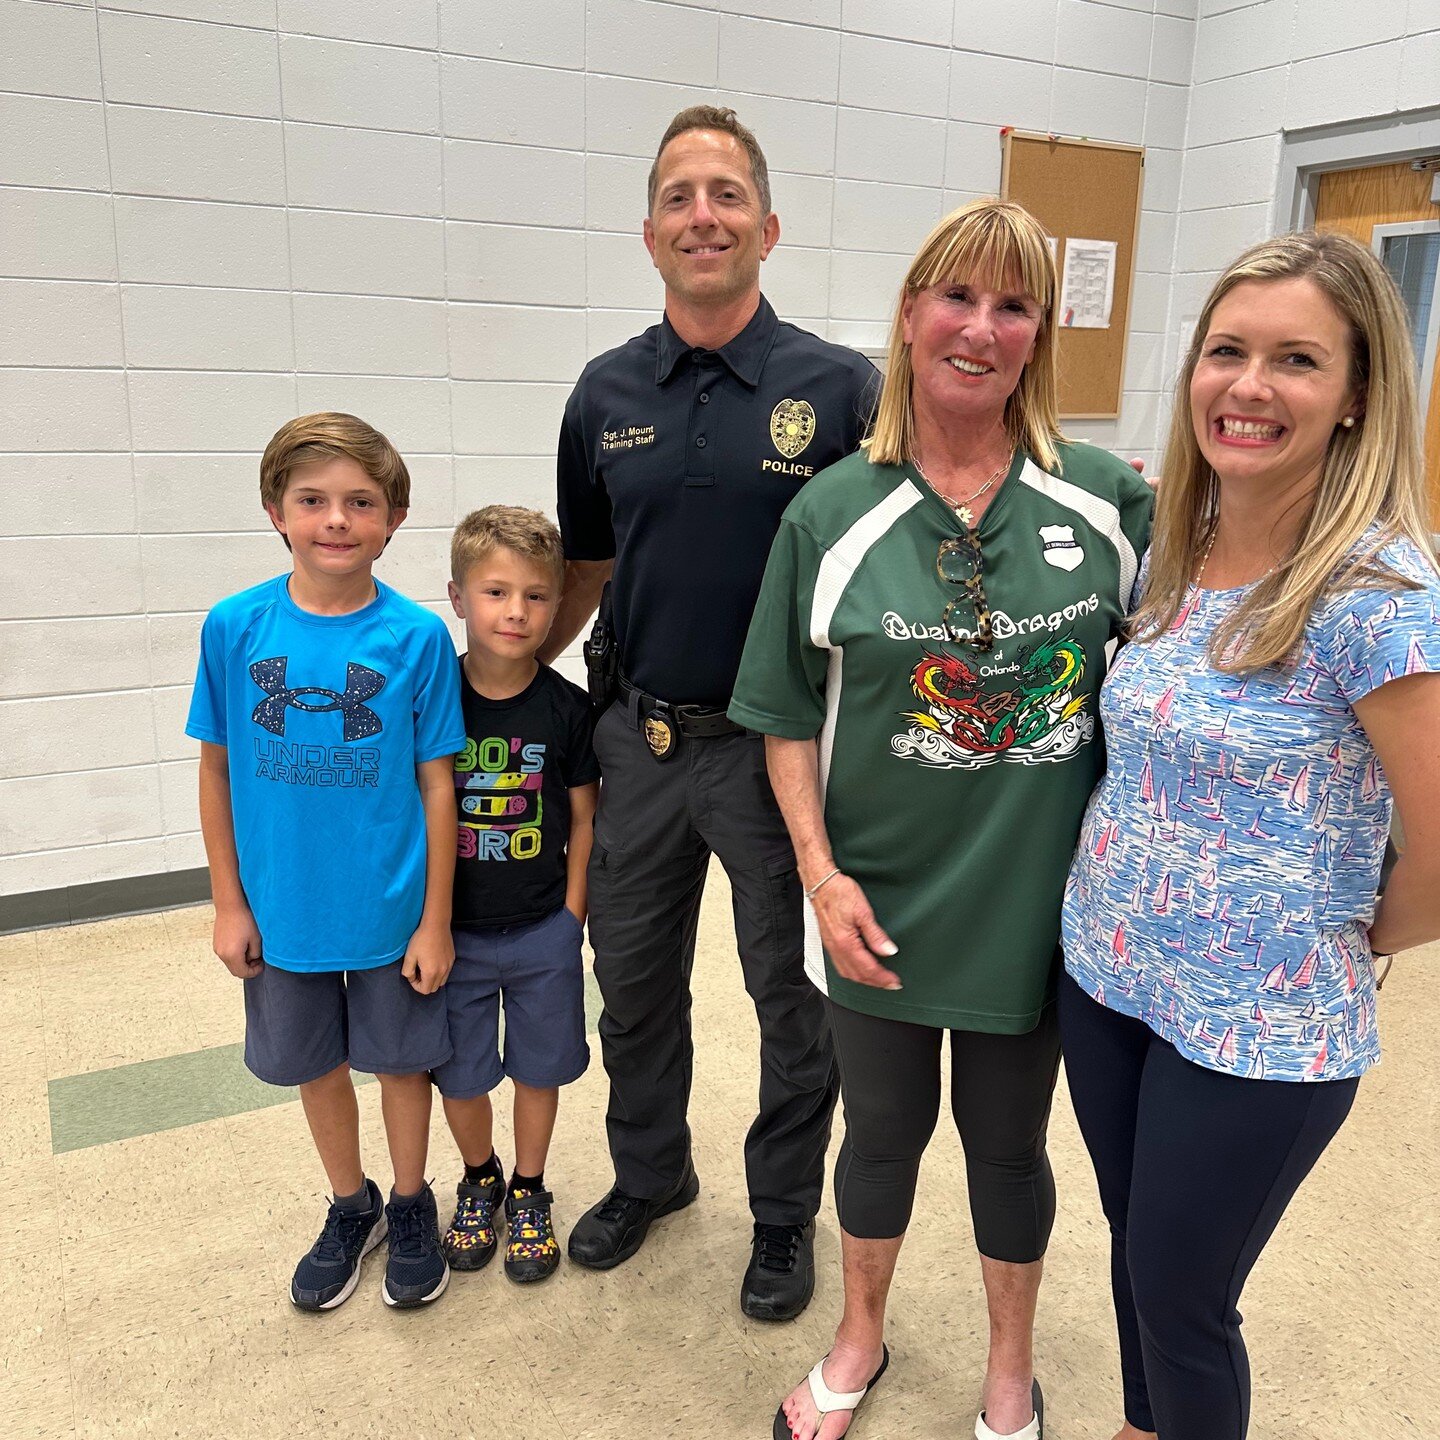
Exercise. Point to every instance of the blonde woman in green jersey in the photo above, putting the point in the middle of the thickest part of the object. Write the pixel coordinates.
(925, 662)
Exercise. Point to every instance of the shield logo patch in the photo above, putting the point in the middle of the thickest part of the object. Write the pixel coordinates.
(792, 423)
(1061, 549)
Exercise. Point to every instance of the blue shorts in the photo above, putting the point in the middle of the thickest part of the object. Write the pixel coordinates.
(301, 1025)
(536, 969)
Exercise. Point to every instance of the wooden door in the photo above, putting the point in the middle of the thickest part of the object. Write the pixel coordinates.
(1355, 202)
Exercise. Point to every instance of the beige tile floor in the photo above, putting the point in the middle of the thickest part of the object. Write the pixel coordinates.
(143, 1281)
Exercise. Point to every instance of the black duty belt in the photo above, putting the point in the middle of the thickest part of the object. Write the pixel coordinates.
(663, 724)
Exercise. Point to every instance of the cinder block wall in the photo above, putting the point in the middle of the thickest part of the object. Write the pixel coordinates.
(1264, 68)
(217, 213)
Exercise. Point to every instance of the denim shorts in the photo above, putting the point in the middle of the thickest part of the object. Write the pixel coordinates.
(536, 970)
(299, 1025)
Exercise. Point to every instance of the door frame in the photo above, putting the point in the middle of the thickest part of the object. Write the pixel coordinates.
(1379, 234)
(1306, 155)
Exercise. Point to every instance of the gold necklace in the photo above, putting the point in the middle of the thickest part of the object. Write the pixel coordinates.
(1191, 601)
(962, 507)
(1205, 560)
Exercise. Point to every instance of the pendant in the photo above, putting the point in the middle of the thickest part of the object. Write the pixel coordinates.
(966, 516)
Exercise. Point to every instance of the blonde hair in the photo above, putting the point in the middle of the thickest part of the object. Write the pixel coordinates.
(330, 435)
(1002, 243)
(1372, 474)
(506, 527)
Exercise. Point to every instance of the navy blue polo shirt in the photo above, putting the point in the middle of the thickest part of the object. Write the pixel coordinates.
(679, 462)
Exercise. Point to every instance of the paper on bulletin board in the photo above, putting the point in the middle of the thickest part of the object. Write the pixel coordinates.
(1088, 288)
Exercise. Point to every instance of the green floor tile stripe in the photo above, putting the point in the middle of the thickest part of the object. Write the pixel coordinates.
(153, 1095)
(102, 1106)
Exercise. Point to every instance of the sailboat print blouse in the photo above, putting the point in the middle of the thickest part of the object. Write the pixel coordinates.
(1228, 862)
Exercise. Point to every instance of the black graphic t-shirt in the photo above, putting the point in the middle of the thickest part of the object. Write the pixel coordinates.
(521, 759)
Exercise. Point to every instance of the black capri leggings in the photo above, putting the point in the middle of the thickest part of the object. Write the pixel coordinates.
(1196, 1168)
(1000, 1091)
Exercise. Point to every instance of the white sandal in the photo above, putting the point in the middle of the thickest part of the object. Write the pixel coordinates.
(827, 1401)
(1035, 1430)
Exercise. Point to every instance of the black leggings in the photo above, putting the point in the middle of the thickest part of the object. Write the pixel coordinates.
(1195, 1169)
(1000, 1092)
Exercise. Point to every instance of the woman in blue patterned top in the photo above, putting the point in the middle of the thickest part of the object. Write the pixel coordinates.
(1220, 921)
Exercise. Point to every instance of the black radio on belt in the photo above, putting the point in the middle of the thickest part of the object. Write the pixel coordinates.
(602, 657)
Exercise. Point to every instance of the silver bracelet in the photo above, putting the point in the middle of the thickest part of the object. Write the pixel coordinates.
(824, 880)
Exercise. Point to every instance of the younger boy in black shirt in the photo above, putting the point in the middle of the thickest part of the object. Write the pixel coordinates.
(526, 785)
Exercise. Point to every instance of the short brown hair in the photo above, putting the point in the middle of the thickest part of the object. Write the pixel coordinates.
(330, 435)
(508, 527)
(714, 117)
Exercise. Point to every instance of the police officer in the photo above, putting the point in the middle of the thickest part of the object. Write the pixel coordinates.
(678, 453)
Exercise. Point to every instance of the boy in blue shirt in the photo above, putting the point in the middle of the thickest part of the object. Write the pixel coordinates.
(328, 718)
(526, 782)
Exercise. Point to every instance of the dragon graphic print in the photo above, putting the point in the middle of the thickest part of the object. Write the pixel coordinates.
(977, 709)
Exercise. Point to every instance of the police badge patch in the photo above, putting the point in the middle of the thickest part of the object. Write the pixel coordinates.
(660, 735)
(1060, 547)
(792, 424)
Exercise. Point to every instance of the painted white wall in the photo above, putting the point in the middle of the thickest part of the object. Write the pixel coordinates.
(216, 214)
(1265, 69)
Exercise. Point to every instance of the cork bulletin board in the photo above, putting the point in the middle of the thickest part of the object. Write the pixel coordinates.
(1083, 190)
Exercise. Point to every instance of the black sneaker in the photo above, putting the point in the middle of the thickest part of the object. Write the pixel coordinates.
(780, 1278)
(415, 1272)
(327, 1276)
(615, 1228)
(532, 1252)
(469, 1243)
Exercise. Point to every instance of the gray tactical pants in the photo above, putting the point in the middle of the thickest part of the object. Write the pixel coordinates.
(656, 829)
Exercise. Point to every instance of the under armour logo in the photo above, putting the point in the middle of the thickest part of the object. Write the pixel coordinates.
(361, 684)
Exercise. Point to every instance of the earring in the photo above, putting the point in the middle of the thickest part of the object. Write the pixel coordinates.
(1348, 422)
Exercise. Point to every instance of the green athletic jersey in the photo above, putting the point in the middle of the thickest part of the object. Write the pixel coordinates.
(954, 780)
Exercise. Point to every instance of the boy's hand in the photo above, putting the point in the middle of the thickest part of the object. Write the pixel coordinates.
(237, 942)
(428, 958)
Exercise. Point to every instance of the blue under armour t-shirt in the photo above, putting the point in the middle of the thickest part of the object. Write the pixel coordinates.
(325, 718)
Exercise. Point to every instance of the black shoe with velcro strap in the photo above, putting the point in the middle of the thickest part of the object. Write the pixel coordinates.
(532, 1251)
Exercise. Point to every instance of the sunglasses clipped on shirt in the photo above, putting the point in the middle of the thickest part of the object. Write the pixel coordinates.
(959, 563)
